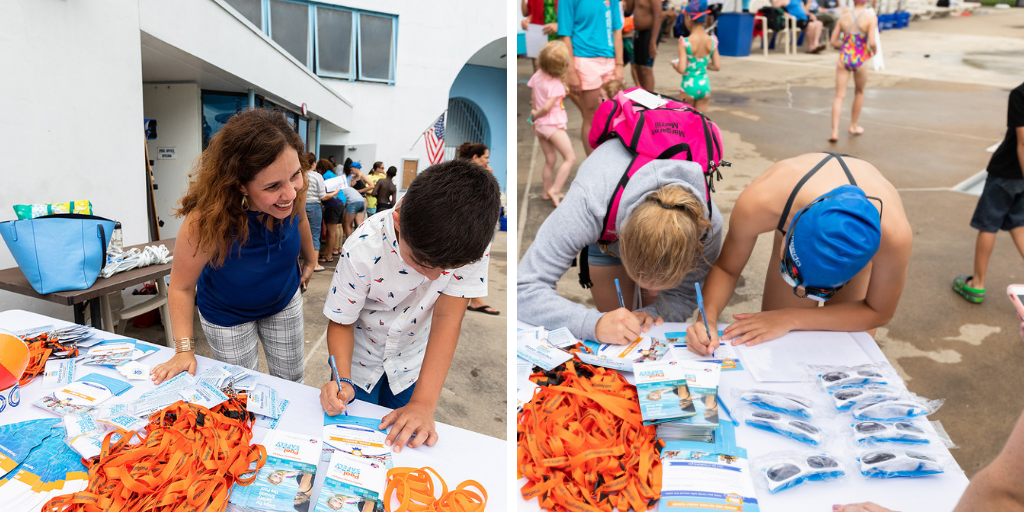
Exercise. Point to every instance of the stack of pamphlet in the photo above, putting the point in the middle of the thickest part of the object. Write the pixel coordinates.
(698, 476)
(285, 482)
(680, 395)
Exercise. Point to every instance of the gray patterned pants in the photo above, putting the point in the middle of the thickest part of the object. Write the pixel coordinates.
(282, 336)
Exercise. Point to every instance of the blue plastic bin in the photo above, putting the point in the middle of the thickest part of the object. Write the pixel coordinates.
(734, 33)
(504, 223)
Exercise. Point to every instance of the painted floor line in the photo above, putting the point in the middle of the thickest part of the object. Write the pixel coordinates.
(526, 195)
(316, 346)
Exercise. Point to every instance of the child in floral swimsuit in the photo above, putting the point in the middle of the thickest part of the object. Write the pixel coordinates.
(695, 87)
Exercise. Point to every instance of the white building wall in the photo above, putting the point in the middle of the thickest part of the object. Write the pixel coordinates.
(435, 39)
(71, 97)
(176, 107)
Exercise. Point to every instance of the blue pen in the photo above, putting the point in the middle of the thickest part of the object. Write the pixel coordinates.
(337, 377)
(618, 290)
(727, 411)
(703, 315)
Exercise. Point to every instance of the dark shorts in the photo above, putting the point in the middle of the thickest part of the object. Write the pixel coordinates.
(332, 214)
(1001, 205)
(802, 24)
(642, 48)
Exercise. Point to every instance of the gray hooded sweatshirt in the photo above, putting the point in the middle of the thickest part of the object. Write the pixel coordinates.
(576, 223)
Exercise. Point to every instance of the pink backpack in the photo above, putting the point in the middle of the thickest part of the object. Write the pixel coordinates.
(674, 131)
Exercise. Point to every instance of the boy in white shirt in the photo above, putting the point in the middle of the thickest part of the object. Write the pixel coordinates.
(400, 292)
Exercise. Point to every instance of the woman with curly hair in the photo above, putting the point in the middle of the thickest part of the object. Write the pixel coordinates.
(237, 254)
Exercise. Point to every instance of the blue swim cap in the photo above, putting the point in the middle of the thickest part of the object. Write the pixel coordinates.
(357, 165)
(696, 9)
(836, 236)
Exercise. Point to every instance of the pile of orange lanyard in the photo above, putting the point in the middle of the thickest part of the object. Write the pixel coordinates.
(39, 350)
(188, 462)
(414, 489)
(583, 446)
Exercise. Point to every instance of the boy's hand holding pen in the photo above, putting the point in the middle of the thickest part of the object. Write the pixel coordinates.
(334, 397)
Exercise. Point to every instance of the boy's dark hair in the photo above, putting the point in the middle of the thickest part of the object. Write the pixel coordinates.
(392, 171)
(447, 216)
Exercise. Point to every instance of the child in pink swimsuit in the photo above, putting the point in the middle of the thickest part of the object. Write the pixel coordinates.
(549, 118)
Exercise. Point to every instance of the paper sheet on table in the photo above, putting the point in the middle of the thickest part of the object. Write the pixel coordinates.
(333, 184)
(782, 360)
(535, 40)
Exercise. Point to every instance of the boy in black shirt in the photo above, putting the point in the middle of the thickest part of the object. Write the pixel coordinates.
(1001, 205)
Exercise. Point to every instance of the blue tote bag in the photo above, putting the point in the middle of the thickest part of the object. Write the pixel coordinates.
(59, 253)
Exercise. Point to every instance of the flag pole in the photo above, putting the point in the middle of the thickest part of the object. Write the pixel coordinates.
(428, 127)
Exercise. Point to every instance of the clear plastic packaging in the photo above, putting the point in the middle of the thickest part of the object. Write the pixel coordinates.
(778, 471)
(835, 377)
(899, 462)
(785, 403)
(793, 427)
(847, 397)
(880, 433)
(895, 409)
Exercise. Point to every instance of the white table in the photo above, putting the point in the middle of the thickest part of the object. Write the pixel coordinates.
(458, 455)
(933, 494)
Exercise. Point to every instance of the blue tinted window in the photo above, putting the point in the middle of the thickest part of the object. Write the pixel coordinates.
(217, 109)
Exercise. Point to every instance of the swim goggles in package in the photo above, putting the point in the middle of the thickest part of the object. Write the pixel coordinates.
(785, 403)
(895, 409)
(901, 463)
(849, 396)
(784, 470)
(870, 432)
(834, 377)
(790, 427)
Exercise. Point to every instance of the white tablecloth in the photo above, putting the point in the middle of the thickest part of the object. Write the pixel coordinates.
(458, 455)
(932, 494)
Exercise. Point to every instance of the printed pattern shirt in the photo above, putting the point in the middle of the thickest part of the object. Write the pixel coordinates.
(390, 303)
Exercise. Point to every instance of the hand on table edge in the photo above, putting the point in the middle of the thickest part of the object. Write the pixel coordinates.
(414, 418)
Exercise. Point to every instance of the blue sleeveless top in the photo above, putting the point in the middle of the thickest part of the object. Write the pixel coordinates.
(256, 284)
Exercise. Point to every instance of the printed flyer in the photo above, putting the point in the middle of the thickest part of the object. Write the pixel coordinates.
(353, 484)
(668, 390)
(82, 395)
(623, 357)
(285, 482)
(724, 354)
(358, 437)
(707, 476)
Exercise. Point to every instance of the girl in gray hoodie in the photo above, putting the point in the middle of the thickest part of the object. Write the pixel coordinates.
(667, 241)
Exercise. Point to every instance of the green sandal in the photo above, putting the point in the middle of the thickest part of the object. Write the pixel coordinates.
(972, 295)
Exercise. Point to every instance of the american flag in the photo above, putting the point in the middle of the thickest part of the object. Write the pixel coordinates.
(435, 141)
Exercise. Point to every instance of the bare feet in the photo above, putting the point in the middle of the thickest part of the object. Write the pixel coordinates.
(545, 196)
(856, 130)
(556, 197)
(834, 137)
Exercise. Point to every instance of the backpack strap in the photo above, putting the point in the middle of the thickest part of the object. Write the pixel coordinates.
(608, 224)
(585, 281)
(799, 184)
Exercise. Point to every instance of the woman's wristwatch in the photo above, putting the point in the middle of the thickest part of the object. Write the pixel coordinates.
(350, 383)
(184, 345)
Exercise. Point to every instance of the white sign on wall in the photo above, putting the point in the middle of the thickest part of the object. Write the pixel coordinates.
(166, 154)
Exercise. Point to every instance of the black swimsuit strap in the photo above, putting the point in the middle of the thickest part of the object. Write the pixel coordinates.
(792, 195)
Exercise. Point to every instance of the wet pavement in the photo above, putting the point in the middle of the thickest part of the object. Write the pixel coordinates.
(929, 122)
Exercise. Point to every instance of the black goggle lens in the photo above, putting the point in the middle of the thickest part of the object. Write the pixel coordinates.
(782, 472)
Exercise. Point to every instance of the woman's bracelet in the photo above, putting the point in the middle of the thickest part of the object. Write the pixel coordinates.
(184, 345)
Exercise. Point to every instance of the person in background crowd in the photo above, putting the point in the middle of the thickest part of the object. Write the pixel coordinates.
(334, 211)
(1001, 205)
(334, 162)
(316, 194)
(478, 154)
(376, 174)
(810, 25)
(697, 54)
(238, 247)
(596, 47)
(339, 230)
(385, 190)
(647, 16)
(355, 205)
(549, 118)
(856, 30)
(822, 13)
